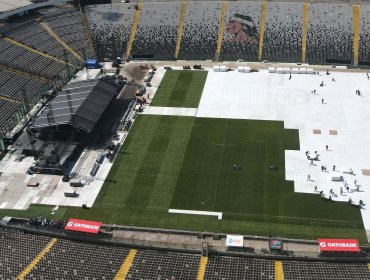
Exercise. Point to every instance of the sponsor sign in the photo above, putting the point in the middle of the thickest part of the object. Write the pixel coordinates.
(276, 244)
(234, 240)
(338, 245)
(83, 226)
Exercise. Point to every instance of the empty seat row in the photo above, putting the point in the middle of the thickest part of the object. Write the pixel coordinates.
(157, 30)
(294, 270)
(111, 27)
(239, 268)
(163, 265)
(68, 24)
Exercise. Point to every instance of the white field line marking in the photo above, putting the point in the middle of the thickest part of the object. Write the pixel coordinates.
(194, 212)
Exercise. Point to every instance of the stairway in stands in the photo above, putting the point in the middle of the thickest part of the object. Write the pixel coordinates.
(133, 30)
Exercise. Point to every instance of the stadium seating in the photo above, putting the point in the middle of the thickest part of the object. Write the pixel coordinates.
(294, 270)
(164, 265)
(329, 37)
(329, 33)
(19, 58)
(157, 30)
(30, 33)
(81, 260)
(199, 39)
(239, 268)
(283, 32)
(241, 33)
(364, 48)
(11, 85)
(77, 260)
(110, 26)
(67, 24)
(17, 251)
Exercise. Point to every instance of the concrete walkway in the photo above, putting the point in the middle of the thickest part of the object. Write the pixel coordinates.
(170, 111)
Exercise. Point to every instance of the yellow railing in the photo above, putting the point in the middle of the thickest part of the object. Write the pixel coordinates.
(262, 30)
(133, 30)
(125, 267)
(304, 30)
(22, 73)
(356, 32)
(221, 29)
(36, 260)
(279, 272)
(6, 98)
(202, 268)
(87, 31)
(60, 40)
(181, 28)
(21, 45)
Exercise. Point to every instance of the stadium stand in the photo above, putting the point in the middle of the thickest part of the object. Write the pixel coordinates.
(17, 251)
(11, 85)
(67, 23)
(163, 265)
(157, 31)
(364, 48)
(110, 26)
(294, 270)
(283, 29)
(30, 33)
(12, 99)
(77, 260)
(8, 109)
(239, 268)
(32, 60)
(199, 40)
(240, 38)
(19, 58)
(330, 34)
(40, 257)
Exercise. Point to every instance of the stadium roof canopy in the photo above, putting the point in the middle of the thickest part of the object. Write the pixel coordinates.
(79, 104)
(7, 5)
(12, 7)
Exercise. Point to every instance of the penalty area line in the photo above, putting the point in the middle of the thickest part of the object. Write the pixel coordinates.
(195, 212)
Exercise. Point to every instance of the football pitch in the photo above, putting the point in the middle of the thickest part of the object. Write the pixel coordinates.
(189, 163)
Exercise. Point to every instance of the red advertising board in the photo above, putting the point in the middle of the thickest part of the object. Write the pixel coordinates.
(339, 245)
(83, 226)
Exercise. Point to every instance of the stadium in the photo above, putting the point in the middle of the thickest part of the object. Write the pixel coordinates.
(184, 139)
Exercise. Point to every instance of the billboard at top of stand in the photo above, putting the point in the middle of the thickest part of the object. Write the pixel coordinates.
(338, 245)
(83, 226)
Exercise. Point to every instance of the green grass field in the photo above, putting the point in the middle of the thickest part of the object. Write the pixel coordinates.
(180, 89)
(187, 163)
